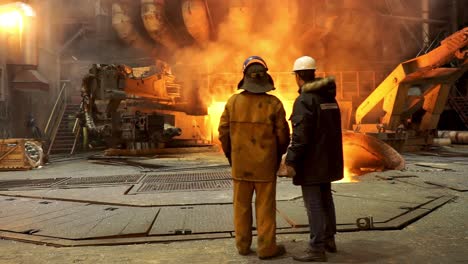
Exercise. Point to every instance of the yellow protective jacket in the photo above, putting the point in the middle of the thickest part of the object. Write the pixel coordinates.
(254, 135)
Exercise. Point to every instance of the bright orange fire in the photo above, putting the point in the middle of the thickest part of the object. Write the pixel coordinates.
(215, 110)
(237, 40)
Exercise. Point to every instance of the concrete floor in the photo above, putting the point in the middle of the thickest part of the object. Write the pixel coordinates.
(440, 236)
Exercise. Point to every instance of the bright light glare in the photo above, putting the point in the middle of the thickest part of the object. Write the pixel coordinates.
(27, 9)
(11, 20)
(215, 110)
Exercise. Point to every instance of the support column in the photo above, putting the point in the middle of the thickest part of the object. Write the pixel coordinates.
(454, 22)
(434, 104)
(425, 25)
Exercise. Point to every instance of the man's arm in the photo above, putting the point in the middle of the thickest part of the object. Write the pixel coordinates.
(224, 135)
(302, 126)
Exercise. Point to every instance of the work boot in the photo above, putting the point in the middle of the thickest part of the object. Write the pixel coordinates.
(280, 250)
(330, 246)
(244, 252)
(312, 256)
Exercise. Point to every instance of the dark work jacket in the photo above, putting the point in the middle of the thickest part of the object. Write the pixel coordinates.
(316, 150)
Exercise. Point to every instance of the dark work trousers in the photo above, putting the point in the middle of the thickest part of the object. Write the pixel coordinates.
(320, 208)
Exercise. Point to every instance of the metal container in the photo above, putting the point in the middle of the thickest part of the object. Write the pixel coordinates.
(12, 155)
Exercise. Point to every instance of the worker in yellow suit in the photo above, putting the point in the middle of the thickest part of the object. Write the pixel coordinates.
(254, 135)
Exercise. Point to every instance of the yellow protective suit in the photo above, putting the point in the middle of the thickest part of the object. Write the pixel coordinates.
(254, 134)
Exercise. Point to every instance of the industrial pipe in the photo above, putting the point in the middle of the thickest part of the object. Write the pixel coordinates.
(195, 17)
(441, 141)
(366, 152)
(456, 137)
(152, 13)
(125, 29)
(362, 152)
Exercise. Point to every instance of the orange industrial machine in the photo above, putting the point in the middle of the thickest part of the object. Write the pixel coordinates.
(405, 108)
(139, 108)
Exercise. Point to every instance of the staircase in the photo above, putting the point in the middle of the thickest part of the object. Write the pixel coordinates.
(460, 105)
(65, 138)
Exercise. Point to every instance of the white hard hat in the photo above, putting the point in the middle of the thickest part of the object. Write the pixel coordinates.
(304, 63)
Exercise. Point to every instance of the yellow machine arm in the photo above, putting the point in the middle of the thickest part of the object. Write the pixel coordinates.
(425, 72)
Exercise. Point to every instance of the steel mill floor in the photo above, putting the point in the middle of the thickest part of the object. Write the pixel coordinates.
(178, 208)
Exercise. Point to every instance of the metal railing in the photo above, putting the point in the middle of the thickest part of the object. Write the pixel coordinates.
(458, 102)
(349, 84)
(442, 34)
(55, 116)
(77, 132)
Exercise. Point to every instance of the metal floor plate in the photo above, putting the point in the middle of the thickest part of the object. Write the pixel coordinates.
(186, 220)
(73, 220)
(459, 186)
(36, 183)
(188, 177)
(185, 186)
(186, 181)
(348, 210)
(114, 179)
(96, 221)
(78, 223)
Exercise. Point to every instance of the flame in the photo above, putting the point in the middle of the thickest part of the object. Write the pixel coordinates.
(348, 176)
(215, 110)
(240, 36)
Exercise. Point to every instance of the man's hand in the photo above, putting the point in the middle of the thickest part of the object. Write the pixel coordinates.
(291, 172)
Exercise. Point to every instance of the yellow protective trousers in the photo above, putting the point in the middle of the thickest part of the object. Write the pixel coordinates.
(265, 209)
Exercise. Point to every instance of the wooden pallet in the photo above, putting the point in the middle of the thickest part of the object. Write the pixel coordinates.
(12, 154)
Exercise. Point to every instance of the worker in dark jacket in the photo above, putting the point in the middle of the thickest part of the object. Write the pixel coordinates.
(315, 156)
(255, 134)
